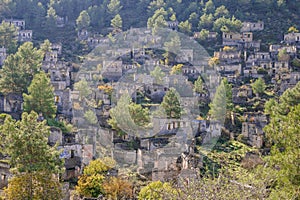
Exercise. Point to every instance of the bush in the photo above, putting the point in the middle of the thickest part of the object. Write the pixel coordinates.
(62, 125)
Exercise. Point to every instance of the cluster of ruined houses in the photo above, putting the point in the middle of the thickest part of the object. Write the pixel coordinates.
(24, 35)
(243, 59)
(246, 59)
(170, 151)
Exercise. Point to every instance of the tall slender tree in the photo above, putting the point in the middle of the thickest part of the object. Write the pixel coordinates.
(83, 21)
(116, 23)
(171, 104)
(158, 75)
(198, 85)
(114, 6)
(218, 105)
(40, 97)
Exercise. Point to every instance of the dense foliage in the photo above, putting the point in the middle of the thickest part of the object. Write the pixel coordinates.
(230, 171)
(32, 160)
(99, 16)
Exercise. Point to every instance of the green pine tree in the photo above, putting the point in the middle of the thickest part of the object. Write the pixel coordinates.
(218, 105)
(114, 6)
(91, 117)
(259, 86)
(83, 87)
(171, 104)
(158, 75)
(19, 69)
(128, 116)
(228, 89)
(40, 97)
(83, 21)
(282, 134)
(198, 85)
(116, 23)
(8, 37)
(31, 159)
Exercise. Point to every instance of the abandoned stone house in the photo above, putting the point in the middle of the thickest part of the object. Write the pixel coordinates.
(143, 37)
(12, 104)
(83, 34)
(173, 25)
(185, 55)
(25, 35)
(229, 70)
(253, 45)
(94, 41)
(288, 80)
(252, 26)
(77, 108)
(19, 23)
(209, 129)
(71, 152)
(210, 36)
(252, 128)
(232, 38)
(289, 49)
(190, 71)
(292, 38)
(258, 62)
(170, 152)
(240, 40)
(63, 103)
(51, 57)
(228, 56)
(241, 94)
(254, 71)
(61, 21)
(281, 66)
(112, 70)
(2, 55)
(259, 56)
(60, 72)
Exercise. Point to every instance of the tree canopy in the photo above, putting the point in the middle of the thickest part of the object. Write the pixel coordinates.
(31, 159)
(158, 190)
(218, 105)
(198, 85)
(127, 115)
(259, 86)
(25, 141)
(40, 97)
(116, 22)
(83, 20)
(283, 135)
(19, 69)
(8, 36)
(158, 75)
(171, 104)
(90, 184)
